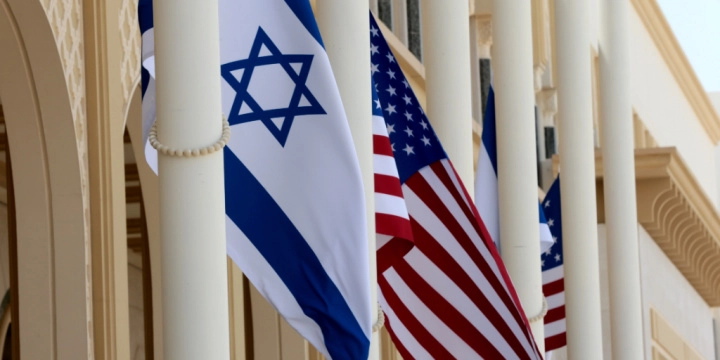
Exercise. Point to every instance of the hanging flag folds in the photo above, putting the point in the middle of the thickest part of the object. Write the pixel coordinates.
(486, 181)
(443, 287)
(295, 207)
(553, 273)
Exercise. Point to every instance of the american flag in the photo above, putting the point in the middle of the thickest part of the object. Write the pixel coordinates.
(553, 273)
(443, 287)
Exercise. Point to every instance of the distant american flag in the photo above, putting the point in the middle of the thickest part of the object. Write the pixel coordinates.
(553, 273)
(442, 284)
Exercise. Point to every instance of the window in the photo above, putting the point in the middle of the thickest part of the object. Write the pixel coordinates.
(385, 12)
(414, 38)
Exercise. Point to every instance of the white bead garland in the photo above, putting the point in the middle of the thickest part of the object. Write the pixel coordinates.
(542, 313)
(166, 150)
(380, 321)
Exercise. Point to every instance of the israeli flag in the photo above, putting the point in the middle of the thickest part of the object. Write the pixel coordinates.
(486, 182)
(295, 209)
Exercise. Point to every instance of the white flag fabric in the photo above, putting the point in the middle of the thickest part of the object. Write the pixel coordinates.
(486, 182)
(296, 221)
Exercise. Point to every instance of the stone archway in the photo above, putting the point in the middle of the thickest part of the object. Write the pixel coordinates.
(49, 173)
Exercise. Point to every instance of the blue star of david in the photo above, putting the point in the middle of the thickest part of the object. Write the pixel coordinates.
(242, 96)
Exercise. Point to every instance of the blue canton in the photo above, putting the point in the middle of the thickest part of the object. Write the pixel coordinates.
(553, 257)
(299, 77)
(413, 140)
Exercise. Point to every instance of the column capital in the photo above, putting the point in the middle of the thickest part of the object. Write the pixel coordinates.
(547, 103)
(483, 33)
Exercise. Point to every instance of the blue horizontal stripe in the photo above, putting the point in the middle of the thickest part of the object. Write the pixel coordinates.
(261, 219)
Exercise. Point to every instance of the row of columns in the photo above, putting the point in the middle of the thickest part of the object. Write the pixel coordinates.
(195, 273)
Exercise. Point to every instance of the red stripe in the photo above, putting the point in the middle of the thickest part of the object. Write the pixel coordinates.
(389, 185)
(391, 253)
(392, 225)
(555, 341)
(448, 314)
(443, 260)
(415, 328)
(555, 314)
(420, 186)
(493, 250)
(381, 145)
(439, 169)
(554, 287)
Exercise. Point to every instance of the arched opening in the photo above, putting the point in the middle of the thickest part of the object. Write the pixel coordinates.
(53, 283)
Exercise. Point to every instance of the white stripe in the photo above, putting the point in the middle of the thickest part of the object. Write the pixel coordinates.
(378, 124)
(148, 109)
(381, 240)
(555, 328)
(391, 205)
(553, 274)
(444, 335)
(148, 51)
(556, 300)
(486, 195)
(151, 157)
(546, 239)
(449, 290)
(385, 165)
(437, 230)
(403, 335)
(266, 280)
(449, 202)
(460, 189)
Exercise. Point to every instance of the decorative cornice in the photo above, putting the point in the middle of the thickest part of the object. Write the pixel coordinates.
(661, 33)
(679, 216)
(676, 213)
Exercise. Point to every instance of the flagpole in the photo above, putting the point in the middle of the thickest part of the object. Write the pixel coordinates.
(619, 181)
(446, 56)
(192, 212)
(517, 180)
(349, 54)
(577, 165)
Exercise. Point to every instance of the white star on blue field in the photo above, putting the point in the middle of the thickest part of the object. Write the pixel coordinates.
(297, 67)
(412, 139)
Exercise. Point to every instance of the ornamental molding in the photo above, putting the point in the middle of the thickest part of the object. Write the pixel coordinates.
(676, 213)
(659, 29)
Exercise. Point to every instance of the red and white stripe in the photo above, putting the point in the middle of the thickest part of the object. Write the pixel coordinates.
(392, 222)
(554, 291)
(448, 296)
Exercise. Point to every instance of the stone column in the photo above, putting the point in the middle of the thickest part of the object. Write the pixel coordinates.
(619, 181)
(192, 197)
(349, 53)
(446, 55)
(577, 169)
(517, 174)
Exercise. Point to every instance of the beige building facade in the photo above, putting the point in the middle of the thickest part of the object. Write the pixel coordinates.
(79, 209)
